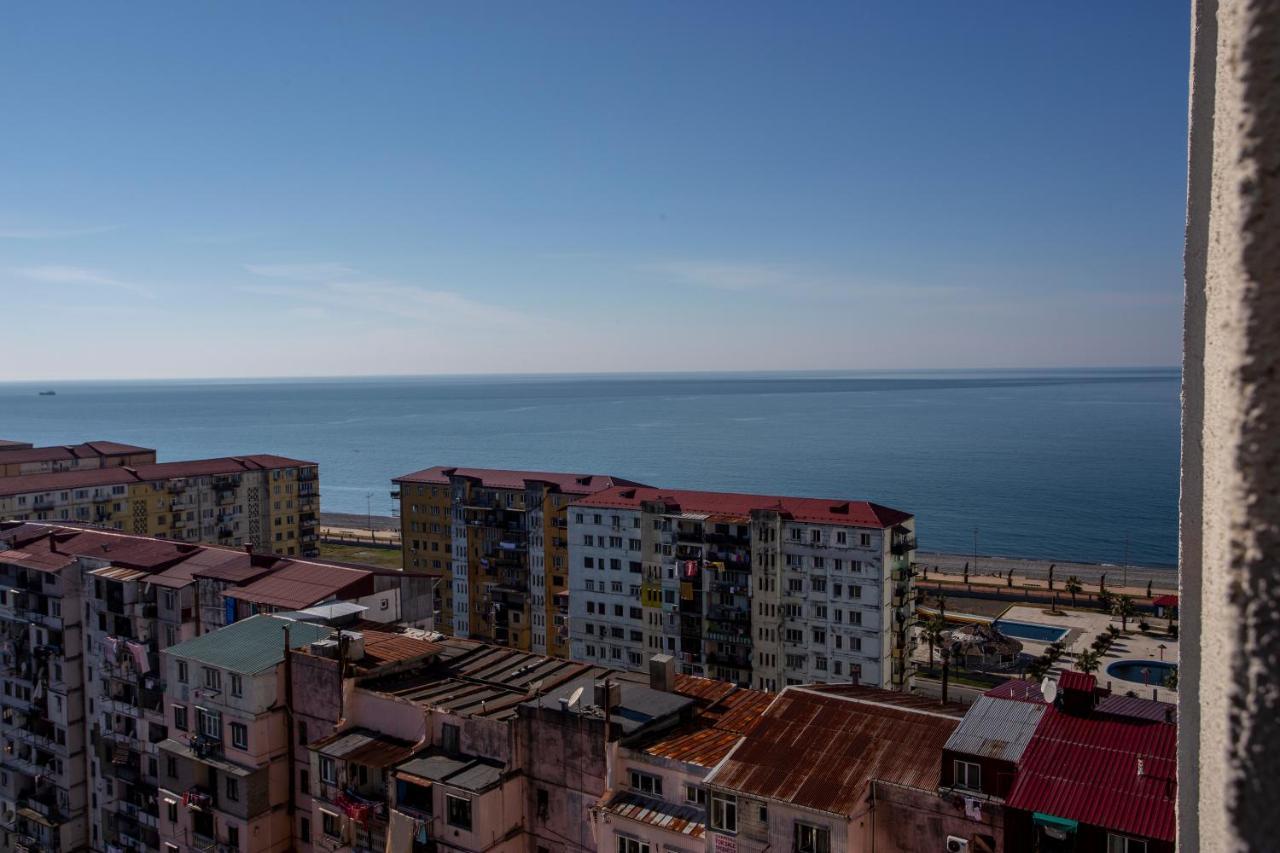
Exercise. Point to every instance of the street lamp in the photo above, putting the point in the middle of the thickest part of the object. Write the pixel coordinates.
(368, 509)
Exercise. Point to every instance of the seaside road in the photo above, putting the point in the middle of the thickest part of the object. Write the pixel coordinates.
(1028, 572)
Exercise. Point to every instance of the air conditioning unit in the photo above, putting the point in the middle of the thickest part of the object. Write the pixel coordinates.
(956, 844)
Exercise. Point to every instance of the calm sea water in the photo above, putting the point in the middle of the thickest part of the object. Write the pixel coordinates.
(1062, 463)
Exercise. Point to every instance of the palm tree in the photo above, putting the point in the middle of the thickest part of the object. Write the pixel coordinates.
(1088, 661)
(966, 571)
(1106, 599)
(1051, 568)
(934, 634)
(1074, 587)
(942, 606)
(1009, 578)
(1102, 583)
(1125, 609)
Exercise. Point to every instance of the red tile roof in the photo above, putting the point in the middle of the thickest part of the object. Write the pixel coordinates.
(498, 478)
(740, 506)
(1162, 601)
(298, 584)
(1115, 772)
(820, 751)
(62, 453)
(35, 483)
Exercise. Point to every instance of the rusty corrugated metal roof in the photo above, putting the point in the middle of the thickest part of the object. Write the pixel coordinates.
(685, 820)
(820, 750)
(1119, 773)
(297, 584)
(724, 714)
(366, 747)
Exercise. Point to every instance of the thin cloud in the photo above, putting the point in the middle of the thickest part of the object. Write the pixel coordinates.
(322, 271)
(402, 301)
(21, 233)
(722, 276)
(79, 277)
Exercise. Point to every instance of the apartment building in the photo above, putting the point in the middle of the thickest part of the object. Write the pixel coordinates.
(269, 502)
(18, 459)
(499, 540)
(84, 617)
(225, 779)
(763, 591)
(657, 798)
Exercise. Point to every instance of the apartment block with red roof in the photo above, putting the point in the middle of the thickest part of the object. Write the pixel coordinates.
(499, 538)
(24, 460)
(269, 502)
(764, 591)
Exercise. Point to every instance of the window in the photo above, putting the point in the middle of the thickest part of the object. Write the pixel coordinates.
(724, 812)
(1125, 844)
(694, 794)
(968, 775)
(331, 825)
(304, 830)
(237, 685)
(302, 733)
(212, 678)
(233, 836)
(180, 717)
(239, 735)
(457, 811)
(812, 839)
(209, 723)
(182, 672)
(646, 783)
(171, 767)
(171, 809)
(233, 788)
(304, 781)
(631, 845)
(328, 771)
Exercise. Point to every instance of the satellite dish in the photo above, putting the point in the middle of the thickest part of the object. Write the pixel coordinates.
(1049, 689)
(574, 697)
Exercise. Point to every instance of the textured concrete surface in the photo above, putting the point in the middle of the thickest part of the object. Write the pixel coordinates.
(1230, 540)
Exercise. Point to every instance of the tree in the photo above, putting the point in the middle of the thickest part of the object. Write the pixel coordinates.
(1149, 589)
(1125, 609)
(1107, 600)
(1074, 587)
(1171, 680)
(1088, 661)
(1009, 578)
(1102, 583)
(942, 606)
(1051, 568)
(934, 634)
(966, 571)
(1039, 668)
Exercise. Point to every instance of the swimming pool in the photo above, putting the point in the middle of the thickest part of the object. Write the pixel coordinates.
(1152, 672)
(1030, 631)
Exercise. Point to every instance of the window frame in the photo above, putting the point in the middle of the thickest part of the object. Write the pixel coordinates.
(960, 775)
(449, 814)
(722, 812)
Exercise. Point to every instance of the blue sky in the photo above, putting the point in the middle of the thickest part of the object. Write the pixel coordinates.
(262, 189)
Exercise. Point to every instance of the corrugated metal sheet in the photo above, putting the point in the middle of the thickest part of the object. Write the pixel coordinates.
(685, 820)
(1087, 768)
(996, 728)
(366, 747)
(249, 646)
(118, 573)
(819, 750)
(300, 584)
(1070, 679)
(725, 713)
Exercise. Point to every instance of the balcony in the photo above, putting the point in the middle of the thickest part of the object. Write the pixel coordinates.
(395, 494)
(902, 545)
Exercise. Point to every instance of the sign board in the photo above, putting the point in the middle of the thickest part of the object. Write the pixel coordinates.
(723, 843)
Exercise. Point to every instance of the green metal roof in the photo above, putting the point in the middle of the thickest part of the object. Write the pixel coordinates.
(250, 645)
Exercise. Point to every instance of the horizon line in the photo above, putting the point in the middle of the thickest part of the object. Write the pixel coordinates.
(594, 374)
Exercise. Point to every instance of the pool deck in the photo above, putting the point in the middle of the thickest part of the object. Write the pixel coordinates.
(1083, 626)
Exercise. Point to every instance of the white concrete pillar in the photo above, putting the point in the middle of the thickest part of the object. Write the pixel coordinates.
(1229, 694)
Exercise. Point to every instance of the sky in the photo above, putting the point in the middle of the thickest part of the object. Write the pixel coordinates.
(226, 189)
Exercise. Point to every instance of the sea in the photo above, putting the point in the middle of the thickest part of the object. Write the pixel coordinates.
(1057, 464)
